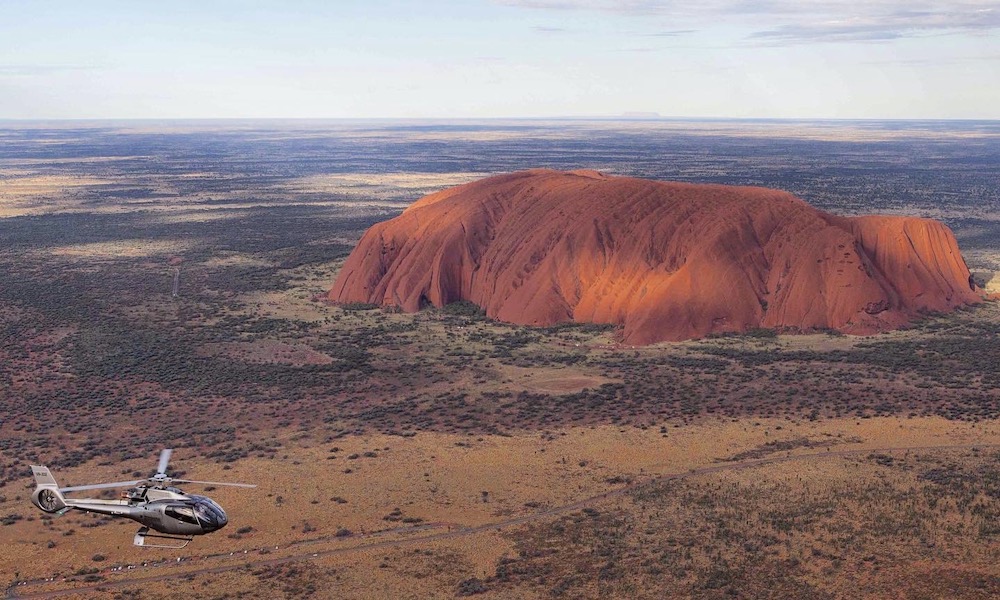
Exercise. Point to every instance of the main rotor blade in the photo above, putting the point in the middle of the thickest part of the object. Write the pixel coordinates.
(164, 459)
(101, 486)
(242, 485)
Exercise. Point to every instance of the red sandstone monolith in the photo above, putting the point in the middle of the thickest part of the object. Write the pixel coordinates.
(665, 261)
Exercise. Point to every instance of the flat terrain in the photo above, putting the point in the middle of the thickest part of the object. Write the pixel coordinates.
(441, 453)
(525, 513)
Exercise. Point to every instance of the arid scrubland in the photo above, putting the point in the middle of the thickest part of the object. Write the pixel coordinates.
(444, 454)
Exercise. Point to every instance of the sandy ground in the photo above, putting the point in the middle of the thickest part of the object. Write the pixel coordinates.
(314, 488)
(993, 285)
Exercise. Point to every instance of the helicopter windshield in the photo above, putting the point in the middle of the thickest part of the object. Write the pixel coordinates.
(209, 513)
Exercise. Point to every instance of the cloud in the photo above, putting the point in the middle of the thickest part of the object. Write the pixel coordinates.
(671, 33)
(547, 29)
(936, 61)
(889, 24)
(829, 32)
(797, 21)
(39, 70)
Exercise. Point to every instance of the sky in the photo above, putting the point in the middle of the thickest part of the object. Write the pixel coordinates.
(848, 59)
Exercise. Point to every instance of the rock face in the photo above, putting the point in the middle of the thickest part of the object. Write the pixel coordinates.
(666, 261)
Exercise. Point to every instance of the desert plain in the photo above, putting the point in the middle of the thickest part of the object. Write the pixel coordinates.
(443, 454)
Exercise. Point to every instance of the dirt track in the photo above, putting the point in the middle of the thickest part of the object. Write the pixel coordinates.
(177, 568)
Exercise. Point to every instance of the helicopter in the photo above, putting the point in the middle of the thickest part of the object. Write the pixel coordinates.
(175, 517)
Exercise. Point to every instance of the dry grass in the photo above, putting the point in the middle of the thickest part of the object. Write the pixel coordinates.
(25, 193)
(119, 249)
(356, 482)
(267, 352)
(383, 185)
(869, 526)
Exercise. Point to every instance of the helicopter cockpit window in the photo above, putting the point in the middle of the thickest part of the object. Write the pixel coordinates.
(207, 514)
(182, 513)
(208, 510)
(220, 515)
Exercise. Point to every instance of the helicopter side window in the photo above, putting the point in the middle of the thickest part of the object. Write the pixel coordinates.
(182, 513)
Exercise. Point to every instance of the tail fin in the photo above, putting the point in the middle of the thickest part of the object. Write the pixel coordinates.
(43, 477)
(46, 496)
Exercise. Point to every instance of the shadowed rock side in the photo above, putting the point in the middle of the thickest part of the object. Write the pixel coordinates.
(667, 261)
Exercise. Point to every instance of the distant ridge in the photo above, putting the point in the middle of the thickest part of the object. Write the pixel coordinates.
(638, 114)
(666, 261)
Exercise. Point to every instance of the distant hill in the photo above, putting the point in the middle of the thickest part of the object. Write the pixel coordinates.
(640, 114)
(666, 261)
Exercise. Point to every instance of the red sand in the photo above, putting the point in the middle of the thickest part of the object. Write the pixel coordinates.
(667, 261)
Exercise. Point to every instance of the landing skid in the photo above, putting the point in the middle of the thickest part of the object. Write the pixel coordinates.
(141, 536)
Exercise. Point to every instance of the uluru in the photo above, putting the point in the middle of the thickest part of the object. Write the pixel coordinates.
(665, 261)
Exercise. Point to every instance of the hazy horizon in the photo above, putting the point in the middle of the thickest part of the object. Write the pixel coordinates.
(498, 119)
